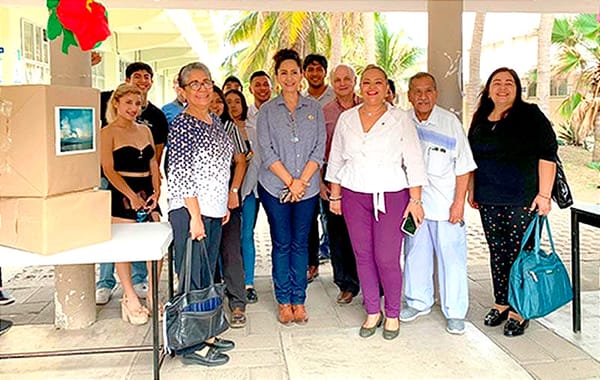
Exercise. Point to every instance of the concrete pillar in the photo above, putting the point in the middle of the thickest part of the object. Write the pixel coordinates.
(444, 53)
(75, 297)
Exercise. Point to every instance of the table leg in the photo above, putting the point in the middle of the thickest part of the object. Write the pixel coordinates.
(170, 269)
(575, 274)
(155, 326)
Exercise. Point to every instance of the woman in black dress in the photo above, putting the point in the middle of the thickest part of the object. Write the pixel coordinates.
(129, 163)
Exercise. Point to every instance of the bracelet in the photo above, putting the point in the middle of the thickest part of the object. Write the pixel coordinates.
(543, 196)
(333, 199)
(416, 201)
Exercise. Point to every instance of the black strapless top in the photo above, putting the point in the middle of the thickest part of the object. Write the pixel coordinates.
(131, 159)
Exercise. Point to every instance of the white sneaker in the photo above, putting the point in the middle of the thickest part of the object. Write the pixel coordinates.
(141, 290)
(103, 296)
(455, 326)
(408, 313)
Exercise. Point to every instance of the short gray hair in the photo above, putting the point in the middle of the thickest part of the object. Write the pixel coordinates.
(339, 66)
(420, 75)
(184, 73)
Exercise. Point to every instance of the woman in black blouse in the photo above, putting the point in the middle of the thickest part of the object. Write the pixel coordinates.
(514, 147)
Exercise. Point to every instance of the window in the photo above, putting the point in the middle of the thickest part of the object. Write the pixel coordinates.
(558, 87)
(98, 76)
(122, 68)
(35, 54)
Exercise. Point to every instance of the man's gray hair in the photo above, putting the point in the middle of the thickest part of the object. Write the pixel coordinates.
(350, 68)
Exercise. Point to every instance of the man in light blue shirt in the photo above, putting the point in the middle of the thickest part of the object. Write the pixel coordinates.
(449, 163)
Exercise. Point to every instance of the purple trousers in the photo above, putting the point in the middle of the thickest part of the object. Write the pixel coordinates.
(377, 245)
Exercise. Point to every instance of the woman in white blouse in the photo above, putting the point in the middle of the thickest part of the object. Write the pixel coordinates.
(376, 171)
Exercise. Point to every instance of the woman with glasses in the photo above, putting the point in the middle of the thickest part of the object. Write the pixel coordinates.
(198, 176)
(291, 143)
(375, 170)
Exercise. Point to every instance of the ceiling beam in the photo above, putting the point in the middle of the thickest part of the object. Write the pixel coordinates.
(514, 6)
(124, 42)
(165, 53)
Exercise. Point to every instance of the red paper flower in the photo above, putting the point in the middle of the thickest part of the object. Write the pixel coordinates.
(86, 19)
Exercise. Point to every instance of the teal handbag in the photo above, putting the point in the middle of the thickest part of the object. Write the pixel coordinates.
(539, 282)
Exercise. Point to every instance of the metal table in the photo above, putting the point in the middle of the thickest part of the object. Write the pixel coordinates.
(586, 214)
(130, 242)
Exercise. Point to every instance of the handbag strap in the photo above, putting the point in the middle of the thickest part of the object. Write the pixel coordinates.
(547, 224)
(533, 225)
(187, 267)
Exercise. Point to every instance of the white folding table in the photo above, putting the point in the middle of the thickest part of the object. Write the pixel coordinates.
(130, 242)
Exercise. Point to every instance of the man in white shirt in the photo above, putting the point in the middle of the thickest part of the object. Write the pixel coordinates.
(449, 164)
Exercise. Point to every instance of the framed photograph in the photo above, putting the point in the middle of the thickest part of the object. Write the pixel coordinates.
(74, 130)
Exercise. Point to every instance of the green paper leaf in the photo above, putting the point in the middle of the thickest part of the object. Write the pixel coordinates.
(54, 26)
(51, 4)
(68, 40)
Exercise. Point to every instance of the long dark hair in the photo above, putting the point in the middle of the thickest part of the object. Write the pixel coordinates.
(225, 117)
(240, 95)
(486, 105)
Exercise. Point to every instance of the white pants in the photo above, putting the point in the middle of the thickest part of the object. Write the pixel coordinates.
(449, 243)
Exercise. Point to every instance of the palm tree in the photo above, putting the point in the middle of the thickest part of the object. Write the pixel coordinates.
(336, 24)
(578, 40)
(261, 34)
(473, 87)
(543, 66)
(395, 58)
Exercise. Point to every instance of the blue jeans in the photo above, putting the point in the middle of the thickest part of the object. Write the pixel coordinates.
(202, 271)
(139, 274)
(249, 216)
(290, 225)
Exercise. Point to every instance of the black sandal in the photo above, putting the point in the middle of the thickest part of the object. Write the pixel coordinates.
(494, 317)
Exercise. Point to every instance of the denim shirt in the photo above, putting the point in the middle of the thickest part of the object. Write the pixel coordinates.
(294, 139)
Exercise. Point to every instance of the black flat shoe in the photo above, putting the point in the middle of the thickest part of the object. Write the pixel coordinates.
(251, 295)
(494, 317)
(212, 358)
(223, 345)
(366, 332)
(5, 325)
(512, 327)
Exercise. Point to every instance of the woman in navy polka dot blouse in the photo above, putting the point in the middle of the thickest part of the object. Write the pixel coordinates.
(200, 154)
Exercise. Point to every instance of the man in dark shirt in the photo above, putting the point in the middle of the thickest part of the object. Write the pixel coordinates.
(140, 75)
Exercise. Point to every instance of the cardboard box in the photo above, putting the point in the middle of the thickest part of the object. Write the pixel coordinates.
(55, 224)
(51, 140)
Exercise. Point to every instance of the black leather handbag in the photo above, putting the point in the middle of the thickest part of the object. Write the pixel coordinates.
(561, 193)
(193, 316)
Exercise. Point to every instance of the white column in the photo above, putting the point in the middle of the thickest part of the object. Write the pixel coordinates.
(444, 53)
(75, 297)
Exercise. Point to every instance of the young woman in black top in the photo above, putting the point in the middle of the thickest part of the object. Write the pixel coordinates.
(128, 159)
(514, 147)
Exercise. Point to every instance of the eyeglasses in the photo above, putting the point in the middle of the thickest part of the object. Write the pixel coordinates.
(195, 85)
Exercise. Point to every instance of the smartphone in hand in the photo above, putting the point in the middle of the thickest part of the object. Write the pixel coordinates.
(285, 195)
(409, 227)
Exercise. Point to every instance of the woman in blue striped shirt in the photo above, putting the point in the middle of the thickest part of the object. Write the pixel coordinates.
(291, 143)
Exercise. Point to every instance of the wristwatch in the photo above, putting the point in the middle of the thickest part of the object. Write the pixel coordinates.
(234, 190)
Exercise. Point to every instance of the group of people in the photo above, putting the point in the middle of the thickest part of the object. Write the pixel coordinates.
(363, 163)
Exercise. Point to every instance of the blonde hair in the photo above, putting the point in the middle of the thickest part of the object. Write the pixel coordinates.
(121, 91)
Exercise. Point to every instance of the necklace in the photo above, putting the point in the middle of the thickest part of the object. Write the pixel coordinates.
(377, 111)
